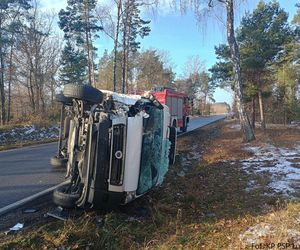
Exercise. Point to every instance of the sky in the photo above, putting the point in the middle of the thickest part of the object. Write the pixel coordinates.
(180, 36)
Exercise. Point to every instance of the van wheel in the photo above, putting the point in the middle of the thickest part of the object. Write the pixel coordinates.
(57, 161)
(185, 124)
(184, 128)
(64, 197)
(83, 92)
(63, 99)
(172, 139)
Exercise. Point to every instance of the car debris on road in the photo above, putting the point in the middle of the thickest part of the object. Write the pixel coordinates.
(15, 228)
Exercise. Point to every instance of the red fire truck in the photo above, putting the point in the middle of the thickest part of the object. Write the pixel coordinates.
(178, 104)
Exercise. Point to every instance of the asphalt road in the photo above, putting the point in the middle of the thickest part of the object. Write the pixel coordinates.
(26, 171)
(198, 122)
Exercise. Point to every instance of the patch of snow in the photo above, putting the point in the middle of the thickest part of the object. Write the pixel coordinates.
(29, 130)
(255, 234)
(295, 122)
(185, 162)
(234, 126)
(28, 133)
(279, 164)
(293, 236)
(181, 173)
(252, 184)
(133, 219)
(264, 232)
(297, 218)
(122, 98)
(194, 153)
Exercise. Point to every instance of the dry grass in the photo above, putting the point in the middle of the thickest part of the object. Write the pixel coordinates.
(207, 207)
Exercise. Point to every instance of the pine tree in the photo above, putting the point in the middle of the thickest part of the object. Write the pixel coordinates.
(80, 26)
(261, 36)
(133, 26)
(73, 65)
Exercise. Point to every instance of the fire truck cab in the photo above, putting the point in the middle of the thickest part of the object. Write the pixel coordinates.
(178, 104)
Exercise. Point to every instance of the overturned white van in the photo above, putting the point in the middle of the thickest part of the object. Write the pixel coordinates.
(118, 147)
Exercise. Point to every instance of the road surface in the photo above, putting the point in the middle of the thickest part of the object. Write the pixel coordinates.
(198, 122)
(27, 171)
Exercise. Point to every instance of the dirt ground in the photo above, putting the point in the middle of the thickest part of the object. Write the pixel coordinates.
(222, 193)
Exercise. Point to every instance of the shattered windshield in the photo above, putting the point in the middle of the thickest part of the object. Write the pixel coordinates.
(154, 159)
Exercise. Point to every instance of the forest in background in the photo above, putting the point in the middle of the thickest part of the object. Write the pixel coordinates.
(36, 60)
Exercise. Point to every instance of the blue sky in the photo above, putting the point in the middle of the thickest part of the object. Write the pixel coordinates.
(182, 37)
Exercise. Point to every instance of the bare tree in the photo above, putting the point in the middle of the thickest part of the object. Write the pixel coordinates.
(10, 12)
(111, 27)
(200, 12)
(152, 70)
(126, 25)
(116, 40)
(36, 59)
(235, 57)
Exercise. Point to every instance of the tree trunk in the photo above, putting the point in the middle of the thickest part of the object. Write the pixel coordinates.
(38, 98)
(9, 83)
(204, 104)
(52, 86)
(127, 62)
(253, 112)
(125, 45)
(124, 59)
(41, 94)
(32, 95)
(116, 46)
(261, 110)
(235, 56)
(89, 59)
(86, 16)
(2, 91)
(126, 70)
(92, 59)
(124, 63)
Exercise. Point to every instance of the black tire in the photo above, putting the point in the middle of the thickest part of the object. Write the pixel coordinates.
(184, 128)
(63, 99)
(172, 139)
(83, 92)
(63, 198)
(185, 124)
(56, 161)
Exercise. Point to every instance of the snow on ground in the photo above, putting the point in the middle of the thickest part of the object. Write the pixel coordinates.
(281, 164)
(186, 161)
(263, 233)
(27, 133)
(255, 233)
(237, 126)
(234, 126)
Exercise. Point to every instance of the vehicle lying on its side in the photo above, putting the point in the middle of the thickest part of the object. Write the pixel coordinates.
(118, 147)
